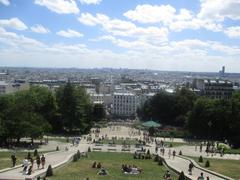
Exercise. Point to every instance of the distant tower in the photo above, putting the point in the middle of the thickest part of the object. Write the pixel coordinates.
(223, 70)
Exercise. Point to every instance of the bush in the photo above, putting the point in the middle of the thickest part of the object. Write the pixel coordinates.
(29, 155)
(200, 159)
(75, 157)
(35, 153)
(156, 159)
(180, 153)
(57, 148)
(160, 162)
(49, 171)
(78, 154)
(181, 176)
(207, 164)
(89, 149)
(223, 146)
(148, 152)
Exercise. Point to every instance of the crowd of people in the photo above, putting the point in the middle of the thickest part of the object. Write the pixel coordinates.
(101, 170)
(28, 164)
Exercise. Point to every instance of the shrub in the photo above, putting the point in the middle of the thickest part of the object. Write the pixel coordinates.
(78, 154)
(200, 159)
(180, 153)
(75, 157)
(148, 152)
(57, 148)
(156, 159)
(49, 171)
(160, 162)
(207, 164)
(181, 176)
(29, 155)
(223, 146)
(89, 149)
(35, 153)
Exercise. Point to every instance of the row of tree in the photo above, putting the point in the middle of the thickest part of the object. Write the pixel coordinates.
(168, 108)
(38, 111)
(213, 119)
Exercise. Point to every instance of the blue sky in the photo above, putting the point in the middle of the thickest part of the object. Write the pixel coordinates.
(182, 35)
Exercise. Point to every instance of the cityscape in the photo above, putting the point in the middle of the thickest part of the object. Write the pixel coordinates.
(102, 89)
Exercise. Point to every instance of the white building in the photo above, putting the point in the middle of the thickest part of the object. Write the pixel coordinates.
(105, 99)
(124, 104)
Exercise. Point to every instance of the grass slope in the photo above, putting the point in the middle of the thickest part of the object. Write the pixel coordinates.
(112, 162)
(230, 168)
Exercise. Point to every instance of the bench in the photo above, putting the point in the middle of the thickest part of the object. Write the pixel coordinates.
(125, 149)
(97, 149)
(98, 144)
(111, 149)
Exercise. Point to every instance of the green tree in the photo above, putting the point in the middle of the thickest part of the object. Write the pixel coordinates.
(74, 108)
(98, 112)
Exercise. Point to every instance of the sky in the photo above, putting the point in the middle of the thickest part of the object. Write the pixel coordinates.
(173, 35)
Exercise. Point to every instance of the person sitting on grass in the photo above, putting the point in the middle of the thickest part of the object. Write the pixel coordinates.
(94, 164)
(102, 172)
(127, 169)
(99, 165)
(167, 175)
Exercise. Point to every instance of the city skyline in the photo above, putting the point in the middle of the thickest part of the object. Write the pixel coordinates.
(162, 35)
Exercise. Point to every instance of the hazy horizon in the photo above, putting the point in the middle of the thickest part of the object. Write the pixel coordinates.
(175, 35)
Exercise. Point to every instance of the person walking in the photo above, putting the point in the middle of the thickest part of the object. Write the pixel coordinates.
(25, 166)
(43, 160)
(201, 177)
(174, 154)
(38, 160)
(169, 153)
(190, 168)
(14, 160)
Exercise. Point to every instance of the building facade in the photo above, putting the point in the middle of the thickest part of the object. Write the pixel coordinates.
(214, 89)
(124, 105)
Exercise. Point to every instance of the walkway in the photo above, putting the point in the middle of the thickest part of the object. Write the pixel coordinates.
(55, 159)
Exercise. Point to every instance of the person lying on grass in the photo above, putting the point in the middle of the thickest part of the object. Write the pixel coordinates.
(127, 169)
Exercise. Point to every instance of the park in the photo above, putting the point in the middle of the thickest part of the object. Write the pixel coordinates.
(61, 135)
(113, 146)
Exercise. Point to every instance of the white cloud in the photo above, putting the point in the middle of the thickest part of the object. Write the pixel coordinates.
(5, 2)
(18, 41)
(60, 6)
(151, 14)
(119, 27)
(40, 29)
(88, 19)
(69, 33)
(233, 32)
(190, 54)
(90, 1)
(13, 23)
(169, 17)
(218, 10)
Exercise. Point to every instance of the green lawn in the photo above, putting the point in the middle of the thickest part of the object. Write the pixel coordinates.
(112, 162)
(5, 158)
(229, 168)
